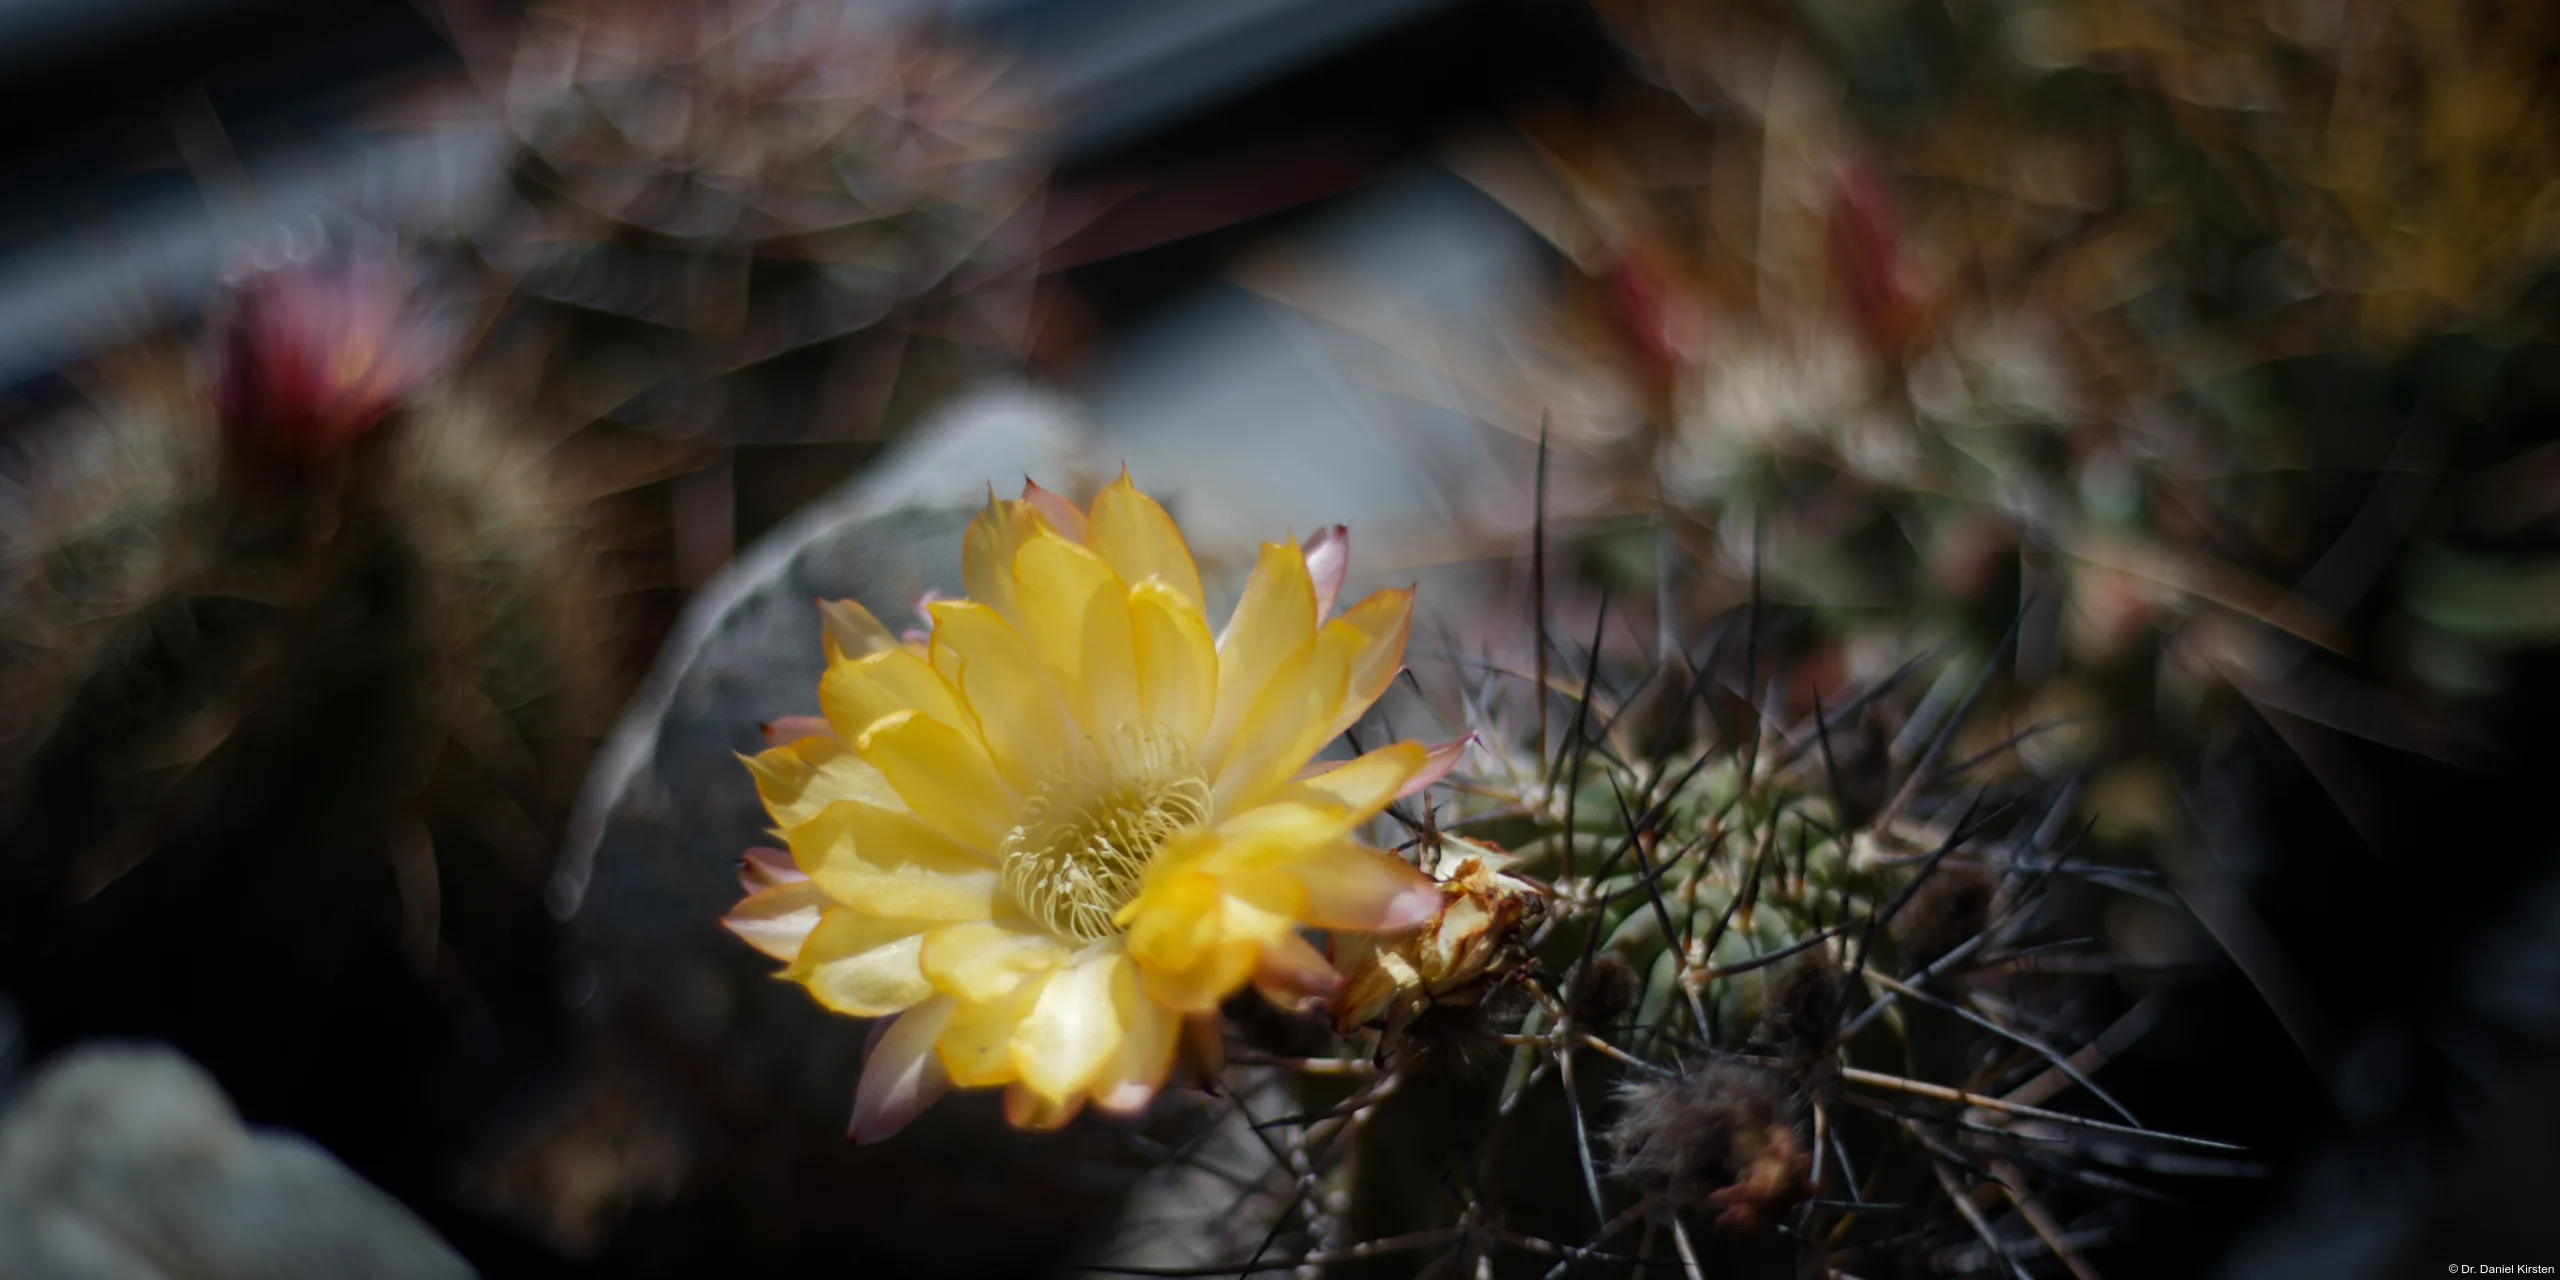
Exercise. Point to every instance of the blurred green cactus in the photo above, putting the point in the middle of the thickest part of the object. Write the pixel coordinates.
(2177, 327)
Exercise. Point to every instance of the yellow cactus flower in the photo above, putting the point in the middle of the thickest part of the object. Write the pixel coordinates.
(1072, 820)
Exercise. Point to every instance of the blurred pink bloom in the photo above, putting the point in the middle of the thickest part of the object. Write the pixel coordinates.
(314, 358)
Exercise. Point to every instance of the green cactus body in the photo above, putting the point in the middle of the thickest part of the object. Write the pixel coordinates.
(1720, 1002)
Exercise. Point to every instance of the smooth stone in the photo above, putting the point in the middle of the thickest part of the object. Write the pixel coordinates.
(126, 1161)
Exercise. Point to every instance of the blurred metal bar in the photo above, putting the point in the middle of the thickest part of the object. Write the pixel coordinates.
(1123, 67)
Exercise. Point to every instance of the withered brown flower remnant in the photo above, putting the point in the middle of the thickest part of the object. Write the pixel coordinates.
(1724, 1137)
(1944, 913)
(1453, 959)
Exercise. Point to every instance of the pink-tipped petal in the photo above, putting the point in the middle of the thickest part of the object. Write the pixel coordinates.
(1126, 1101)
(1349, 886)
(1328, 563)
(1411, 909)
(777, 920)
(1294, 975)
(1203, 1053)
(1436, 764)
(790, 729)
(1061, 514)
(903, 1075)
(850, 630)
(760, 869)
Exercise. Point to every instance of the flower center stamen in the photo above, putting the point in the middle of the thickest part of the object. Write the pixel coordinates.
(1090, 830)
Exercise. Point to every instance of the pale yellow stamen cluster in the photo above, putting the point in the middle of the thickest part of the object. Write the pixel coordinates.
(1088, 833)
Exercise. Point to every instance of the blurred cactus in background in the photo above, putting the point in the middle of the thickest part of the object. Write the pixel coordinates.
(767, 221)
(304, 647)
(2187, 332)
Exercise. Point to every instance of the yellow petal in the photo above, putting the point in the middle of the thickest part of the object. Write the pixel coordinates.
(1365, 785)
(1289, 723)
(987, 551)
(1201, 986)
(1017, 709)
(776, 921)
(1268, 889)
(1137, 1070)
(797, 781)
(1075, 613)
(1024, 1108)
(1140, 542)
(1291, 818)
(1073, 1031)
(1274, 622)
(1177, 662)
(1194, 942)
(891, 864)
(982, 963)
(1372, 633)
(943, 776)
(977, 1043)
(862, 964)
(851, 632)
(1173, 918)
(855, 695)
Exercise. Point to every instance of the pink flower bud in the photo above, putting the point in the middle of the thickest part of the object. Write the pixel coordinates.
(314, 358)
(1866, 255)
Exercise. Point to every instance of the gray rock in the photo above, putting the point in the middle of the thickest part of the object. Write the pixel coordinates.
(737, 1086)
(650, 861)
(127, 1162)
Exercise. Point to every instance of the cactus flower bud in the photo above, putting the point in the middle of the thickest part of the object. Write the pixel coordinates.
(314, 358)
(1865, 235)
